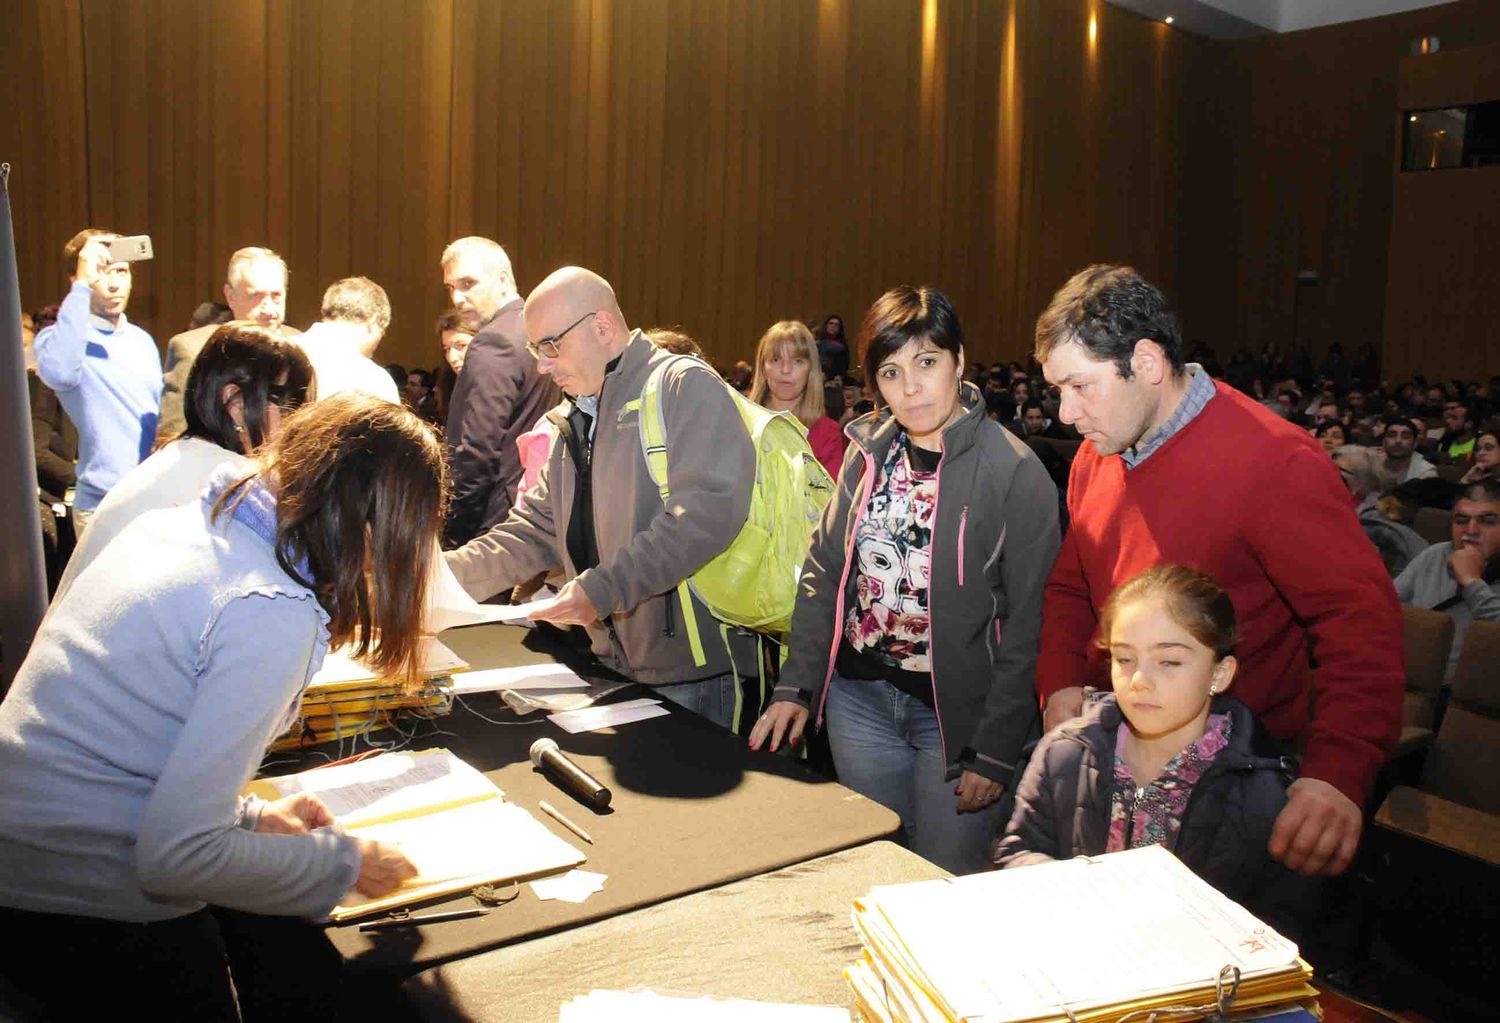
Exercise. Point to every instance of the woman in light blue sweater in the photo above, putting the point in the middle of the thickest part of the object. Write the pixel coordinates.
(151, 691)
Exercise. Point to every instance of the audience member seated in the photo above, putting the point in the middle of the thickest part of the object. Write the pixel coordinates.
(1486, 458)
(788, 379)
(1456, 445)
(934, 737)
(151, 692)
(1166, 759)
(103, 368)
(1330, 432)
(355, 314)
(1035, 423)
(833, 348)
(1397, 543)
(1461, 577)
(255, 290)
(242, 382)
(1399, 461)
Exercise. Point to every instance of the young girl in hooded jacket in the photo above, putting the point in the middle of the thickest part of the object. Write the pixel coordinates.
(1167, 758)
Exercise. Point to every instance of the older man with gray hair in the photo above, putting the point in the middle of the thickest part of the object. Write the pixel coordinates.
(499, 396)
(255, 290)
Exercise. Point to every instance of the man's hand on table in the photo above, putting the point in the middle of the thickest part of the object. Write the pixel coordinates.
(1317, 831)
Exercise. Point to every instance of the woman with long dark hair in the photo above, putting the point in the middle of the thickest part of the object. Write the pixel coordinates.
(920, 603)
(241, 384)
(150, 693)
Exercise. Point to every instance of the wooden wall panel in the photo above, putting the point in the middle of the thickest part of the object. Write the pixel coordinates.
(1288, 166)
(725, 163)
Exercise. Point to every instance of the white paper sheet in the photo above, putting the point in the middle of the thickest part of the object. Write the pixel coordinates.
(449, 605)
(391, 783)
(340, 667)
(593, 718)
(523, 677)
(1169, 927)
(491, 835)
(574, 886)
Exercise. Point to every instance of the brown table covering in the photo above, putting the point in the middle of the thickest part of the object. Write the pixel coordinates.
(693, 808)
(783, 936)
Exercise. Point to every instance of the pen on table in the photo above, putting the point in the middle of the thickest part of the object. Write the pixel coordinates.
(426, 918)
(555, 814)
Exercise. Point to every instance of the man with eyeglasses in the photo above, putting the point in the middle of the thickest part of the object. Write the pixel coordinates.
(597, 515)
(499, 395)
(1462, 577)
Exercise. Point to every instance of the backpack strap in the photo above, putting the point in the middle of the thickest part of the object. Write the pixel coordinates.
(653, 431)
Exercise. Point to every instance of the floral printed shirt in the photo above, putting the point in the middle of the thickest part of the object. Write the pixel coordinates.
(888, 620)
(1153, 815)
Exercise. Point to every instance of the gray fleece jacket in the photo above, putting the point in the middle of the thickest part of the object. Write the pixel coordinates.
(994, 539)
(645, 548)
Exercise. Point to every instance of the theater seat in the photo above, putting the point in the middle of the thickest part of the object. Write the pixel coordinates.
(1433, 525)
(1428, 637)
(1464, 763)
(1437, 846)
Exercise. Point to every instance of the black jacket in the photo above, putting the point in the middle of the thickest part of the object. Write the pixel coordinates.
(499, 396)
(1062, 803)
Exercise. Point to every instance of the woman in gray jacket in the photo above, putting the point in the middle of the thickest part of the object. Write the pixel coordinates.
(920, 605)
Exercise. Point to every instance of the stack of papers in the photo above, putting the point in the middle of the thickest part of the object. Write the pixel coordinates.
(446, 817)
(613, 1006)
(346, 698)
(1022, 945)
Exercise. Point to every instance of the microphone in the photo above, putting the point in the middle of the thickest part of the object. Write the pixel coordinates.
(569, 776)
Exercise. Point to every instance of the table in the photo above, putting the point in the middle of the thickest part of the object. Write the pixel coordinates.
(783, 936)
(693, 809)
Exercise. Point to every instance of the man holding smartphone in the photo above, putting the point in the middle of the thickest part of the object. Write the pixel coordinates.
(104, 369)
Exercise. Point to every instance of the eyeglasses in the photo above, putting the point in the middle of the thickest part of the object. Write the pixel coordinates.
(551, 347)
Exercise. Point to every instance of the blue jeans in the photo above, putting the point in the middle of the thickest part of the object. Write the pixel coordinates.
(886, 746)
(712, 697)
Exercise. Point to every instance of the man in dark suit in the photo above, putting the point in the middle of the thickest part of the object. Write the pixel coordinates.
(255, 289)
(500, 395)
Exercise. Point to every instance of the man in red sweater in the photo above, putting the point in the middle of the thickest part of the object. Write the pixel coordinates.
(1185, 471)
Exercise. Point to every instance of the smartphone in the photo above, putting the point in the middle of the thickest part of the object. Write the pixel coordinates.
(130, 250)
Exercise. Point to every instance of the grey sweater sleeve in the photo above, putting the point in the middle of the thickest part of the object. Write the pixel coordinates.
(1483, 599)
(519, 547)
(710, 473)
(189, 845)
(1031, 544)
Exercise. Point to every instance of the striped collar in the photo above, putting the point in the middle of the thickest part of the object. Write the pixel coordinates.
(1200, 390)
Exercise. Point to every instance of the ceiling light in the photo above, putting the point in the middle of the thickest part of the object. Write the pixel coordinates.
(1412, 118)
(1169, 19)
